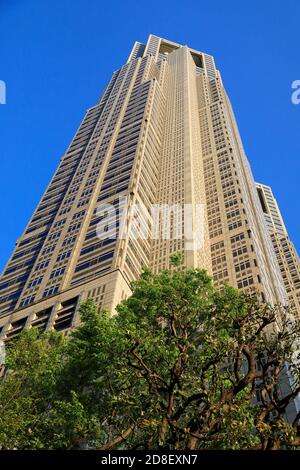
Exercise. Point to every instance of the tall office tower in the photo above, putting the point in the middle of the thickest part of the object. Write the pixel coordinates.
(162, 136)
(286, 253)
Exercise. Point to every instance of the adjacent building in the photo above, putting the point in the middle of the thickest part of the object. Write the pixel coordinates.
(286, 253)
(163, 135)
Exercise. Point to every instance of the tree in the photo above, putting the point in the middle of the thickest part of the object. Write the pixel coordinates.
(27, 388)
(179, 367)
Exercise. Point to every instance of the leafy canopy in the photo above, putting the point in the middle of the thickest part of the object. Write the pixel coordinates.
(179, 367)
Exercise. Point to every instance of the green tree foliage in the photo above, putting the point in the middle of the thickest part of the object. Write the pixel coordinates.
(28, 388)
(178, 367)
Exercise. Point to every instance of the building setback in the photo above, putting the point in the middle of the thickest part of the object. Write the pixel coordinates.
(163, 133)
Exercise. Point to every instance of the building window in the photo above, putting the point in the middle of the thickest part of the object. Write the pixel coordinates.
(57, 272)
(27, 300)
(50, 290)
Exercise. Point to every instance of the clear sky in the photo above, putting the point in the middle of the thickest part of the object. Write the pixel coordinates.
(57, 55)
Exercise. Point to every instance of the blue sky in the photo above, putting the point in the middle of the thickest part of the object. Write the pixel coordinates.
(56, 57)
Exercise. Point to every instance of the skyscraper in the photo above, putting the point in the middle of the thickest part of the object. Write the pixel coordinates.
(162, 135)
(286, 253)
